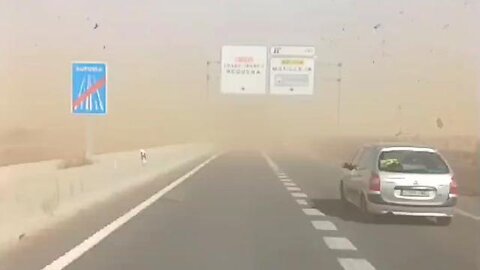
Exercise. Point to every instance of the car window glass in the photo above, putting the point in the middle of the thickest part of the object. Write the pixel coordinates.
(412, 162)
(364, 162)
(358, 157)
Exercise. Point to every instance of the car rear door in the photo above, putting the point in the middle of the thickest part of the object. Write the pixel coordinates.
(363, 172)
(351, 175)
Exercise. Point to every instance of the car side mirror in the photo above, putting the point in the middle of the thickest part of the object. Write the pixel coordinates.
(347, 166)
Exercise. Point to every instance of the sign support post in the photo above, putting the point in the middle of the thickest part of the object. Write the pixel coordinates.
(89, 147)
(339, 93)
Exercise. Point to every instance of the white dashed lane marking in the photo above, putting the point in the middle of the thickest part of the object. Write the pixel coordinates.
(289, 184)
(355, 264)
(324, 225)
(334, 243)
(299, 195)
(312, 212)
(339, 243)
(302, 202)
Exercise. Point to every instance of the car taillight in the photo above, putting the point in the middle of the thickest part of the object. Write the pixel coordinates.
(374, 184)
(453, 187)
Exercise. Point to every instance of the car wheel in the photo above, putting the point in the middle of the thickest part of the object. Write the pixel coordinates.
(443, 221)
(367, 216)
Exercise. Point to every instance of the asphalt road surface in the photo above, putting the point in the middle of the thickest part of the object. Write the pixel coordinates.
(245, 210)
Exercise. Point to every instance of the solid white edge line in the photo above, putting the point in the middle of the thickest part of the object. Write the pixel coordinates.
(466, 214)
(76, 252)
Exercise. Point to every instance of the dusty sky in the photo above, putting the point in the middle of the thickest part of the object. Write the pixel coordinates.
(423, 57)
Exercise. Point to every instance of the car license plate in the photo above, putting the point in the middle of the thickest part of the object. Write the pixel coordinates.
(415, 193)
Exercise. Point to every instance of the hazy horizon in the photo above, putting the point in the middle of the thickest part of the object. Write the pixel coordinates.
(419, 64)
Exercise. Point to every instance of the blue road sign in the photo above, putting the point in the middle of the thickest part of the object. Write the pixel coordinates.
(89, 89)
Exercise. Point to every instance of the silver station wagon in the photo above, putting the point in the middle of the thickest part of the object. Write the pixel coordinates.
(400, 180)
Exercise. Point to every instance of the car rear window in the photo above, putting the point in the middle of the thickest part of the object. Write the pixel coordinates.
(407, 161)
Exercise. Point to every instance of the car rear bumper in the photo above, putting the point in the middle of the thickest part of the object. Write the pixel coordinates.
(378, 206)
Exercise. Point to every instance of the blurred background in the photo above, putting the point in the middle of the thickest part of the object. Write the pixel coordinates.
(409, 71)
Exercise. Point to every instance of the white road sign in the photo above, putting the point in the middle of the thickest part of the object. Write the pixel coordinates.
(291, 76)
(244, 69)
(292, 51)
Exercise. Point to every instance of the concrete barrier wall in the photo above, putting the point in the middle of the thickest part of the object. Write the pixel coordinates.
(34, 195)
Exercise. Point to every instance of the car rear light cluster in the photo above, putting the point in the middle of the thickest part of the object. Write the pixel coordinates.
(374, 184)
(453, 187)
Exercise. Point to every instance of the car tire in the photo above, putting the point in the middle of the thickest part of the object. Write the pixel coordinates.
(443, 221)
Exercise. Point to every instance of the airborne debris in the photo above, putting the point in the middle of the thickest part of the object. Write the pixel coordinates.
(96, 26)
(104, 47)
(377, 26)
(439, 123)
(21, 236)
(401, 12)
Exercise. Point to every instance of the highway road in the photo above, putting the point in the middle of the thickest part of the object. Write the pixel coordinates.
(246, 210)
